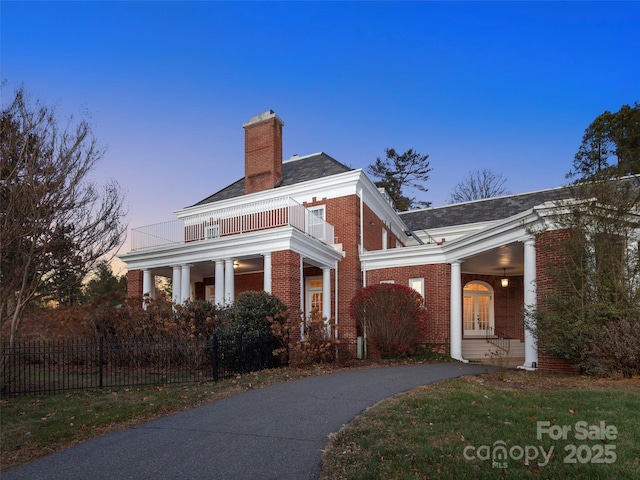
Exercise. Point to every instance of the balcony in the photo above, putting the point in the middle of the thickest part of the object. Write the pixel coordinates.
(224, 222)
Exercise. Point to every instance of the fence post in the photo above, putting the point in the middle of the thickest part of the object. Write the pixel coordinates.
(100, 359)
(214, 357)
(239, 353)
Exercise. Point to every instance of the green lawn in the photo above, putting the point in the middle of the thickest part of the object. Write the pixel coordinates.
(484, 428)
(422, 434)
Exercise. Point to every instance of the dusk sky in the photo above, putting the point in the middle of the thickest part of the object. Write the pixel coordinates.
(509, 86)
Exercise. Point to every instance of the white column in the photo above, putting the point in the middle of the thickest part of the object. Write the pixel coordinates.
(146, 287)
(185, 284)
(152, 291)
(302, 293)
(335, 295)
(267, 272)
(326, 293)
(229, 290)
(530, 303)
(455, 321)
(176, 291)
(147, 283)
(219, 279)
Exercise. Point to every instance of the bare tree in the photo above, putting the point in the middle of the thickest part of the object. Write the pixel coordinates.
(55, 223)
(479, 184)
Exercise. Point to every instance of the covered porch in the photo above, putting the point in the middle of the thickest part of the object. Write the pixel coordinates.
(213, 254)
(490, 293)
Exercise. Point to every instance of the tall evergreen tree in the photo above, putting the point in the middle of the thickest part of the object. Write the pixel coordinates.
(397, 172)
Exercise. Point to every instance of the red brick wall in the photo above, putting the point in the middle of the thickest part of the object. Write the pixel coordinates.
(134, 283)
(437, 289)
(549, 255)
(285, 278)
(249, 282)
(373, 233)
(344, 214)
(242, 283)
(263, 155)
(554, 364)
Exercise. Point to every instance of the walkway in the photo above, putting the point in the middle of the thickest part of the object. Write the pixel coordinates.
(277, 432)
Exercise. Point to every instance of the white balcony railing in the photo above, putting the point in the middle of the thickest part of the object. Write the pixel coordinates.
(223, 222)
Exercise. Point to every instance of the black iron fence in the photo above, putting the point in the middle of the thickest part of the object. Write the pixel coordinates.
(55, 366)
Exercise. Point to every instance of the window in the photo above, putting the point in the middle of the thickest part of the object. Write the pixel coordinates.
(210, 293)
(316, 225)
(319, 211)
(418, 285)
(384, 239)
(387, 281)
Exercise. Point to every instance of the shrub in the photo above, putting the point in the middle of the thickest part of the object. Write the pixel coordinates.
(617, 350)
(199, 318)
(391, 317)
(250, 313)
(319, 344)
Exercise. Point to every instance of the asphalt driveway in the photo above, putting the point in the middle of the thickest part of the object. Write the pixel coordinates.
(276, 432)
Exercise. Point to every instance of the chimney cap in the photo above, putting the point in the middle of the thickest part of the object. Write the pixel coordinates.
(269, 114)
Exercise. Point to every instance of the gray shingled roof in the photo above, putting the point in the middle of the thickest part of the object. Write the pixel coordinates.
(480, 210)
(294, 171)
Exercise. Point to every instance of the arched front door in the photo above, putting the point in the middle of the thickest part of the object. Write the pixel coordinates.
(477, 309)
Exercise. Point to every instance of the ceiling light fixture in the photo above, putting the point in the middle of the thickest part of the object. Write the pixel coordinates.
(504, 281)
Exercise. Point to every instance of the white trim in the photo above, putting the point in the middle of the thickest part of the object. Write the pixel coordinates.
(353, 182)
(245, 245)
(333, 186)
(517, 228)
(211, 231)
(530, 303)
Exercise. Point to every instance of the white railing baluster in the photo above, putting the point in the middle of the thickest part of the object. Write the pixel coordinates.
(250, 217)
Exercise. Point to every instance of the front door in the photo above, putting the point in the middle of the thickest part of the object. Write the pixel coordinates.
(314, 295)
(477, 309)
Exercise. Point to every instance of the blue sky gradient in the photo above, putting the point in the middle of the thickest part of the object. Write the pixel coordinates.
(509, 86)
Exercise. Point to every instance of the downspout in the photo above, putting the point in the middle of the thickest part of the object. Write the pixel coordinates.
(302, 287)
(361, 221)
(335, 286)
(303, 320)
(418, 239)
(362, 353)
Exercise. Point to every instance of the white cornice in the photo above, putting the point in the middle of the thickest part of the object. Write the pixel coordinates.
(245, 245)
(333, 186)
(379, 205)
(516, 228)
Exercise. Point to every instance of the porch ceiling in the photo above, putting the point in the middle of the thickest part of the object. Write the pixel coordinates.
(508, 257)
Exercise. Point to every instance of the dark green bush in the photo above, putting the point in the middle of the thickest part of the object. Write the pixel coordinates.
(250, 313)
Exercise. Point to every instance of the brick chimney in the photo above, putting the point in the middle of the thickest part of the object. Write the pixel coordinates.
(262, 152)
